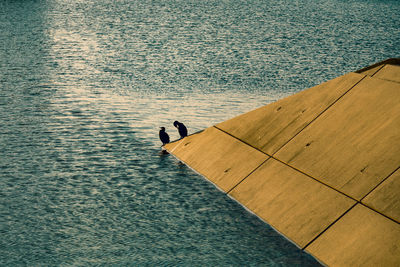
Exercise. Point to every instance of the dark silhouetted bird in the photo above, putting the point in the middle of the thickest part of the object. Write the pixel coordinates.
(181, 129)
(164, 137)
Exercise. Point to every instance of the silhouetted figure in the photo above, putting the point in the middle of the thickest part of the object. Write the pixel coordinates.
(181, 128)
(164, 137)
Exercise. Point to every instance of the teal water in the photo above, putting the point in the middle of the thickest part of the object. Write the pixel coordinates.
(85, 85)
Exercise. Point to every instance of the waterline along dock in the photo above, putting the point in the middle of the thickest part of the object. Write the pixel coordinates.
(320, 166)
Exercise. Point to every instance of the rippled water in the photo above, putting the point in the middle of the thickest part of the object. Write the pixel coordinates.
(85, 86)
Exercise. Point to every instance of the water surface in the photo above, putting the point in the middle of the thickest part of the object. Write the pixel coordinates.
(85, 86)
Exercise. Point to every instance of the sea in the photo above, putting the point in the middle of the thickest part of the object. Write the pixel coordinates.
(85, 86)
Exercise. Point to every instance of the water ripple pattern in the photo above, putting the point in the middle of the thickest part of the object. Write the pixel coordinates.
(85, 86)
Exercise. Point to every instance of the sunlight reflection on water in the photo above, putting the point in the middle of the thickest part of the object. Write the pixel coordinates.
(85, 85)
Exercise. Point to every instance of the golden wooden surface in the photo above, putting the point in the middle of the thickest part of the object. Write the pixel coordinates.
(332, 146)
(356, 143)
(386, 197)
(271, 126)
(389, 72)
(361, 238)
(296, 205)
(224, 160)
(371, 71)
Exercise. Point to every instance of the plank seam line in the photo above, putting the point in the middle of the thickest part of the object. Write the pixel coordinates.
(387, 177)
(309, 243)
(383, 65)
(380, 213)
(269, 156)
(248, 175)
(288, 166)
(244, 142)
(386, 79)
(331, 187)
(319, 115)
(329, 226)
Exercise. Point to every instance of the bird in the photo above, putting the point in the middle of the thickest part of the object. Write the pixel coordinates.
(164, 137)
(181, 129)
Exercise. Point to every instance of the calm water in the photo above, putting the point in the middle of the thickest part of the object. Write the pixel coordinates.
(85, 86)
